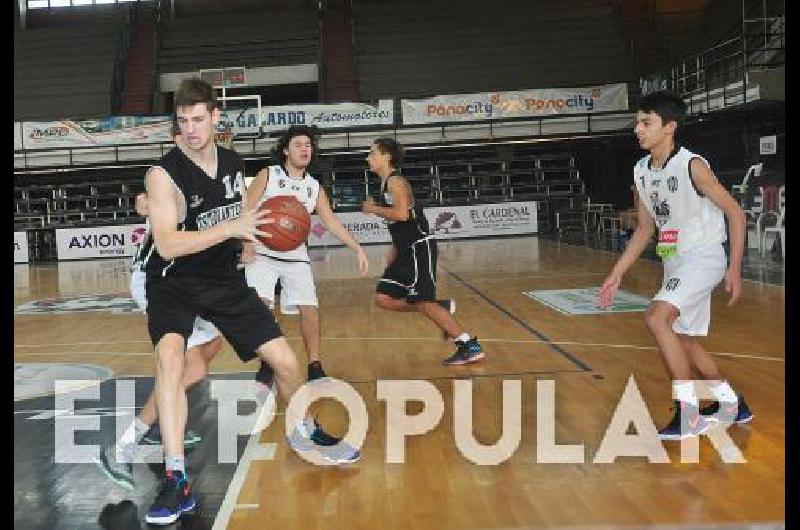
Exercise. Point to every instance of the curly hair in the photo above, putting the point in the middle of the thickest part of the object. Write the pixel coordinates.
(295, 130)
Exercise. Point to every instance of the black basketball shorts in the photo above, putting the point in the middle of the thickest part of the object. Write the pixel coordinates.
(412, 275)
(235, 309)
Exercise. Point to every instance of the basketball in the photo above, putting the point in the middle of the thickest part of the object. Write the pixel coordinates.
(291, 226)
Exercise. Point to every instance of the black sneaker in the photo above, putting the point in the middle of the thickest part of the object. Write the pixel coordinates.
(119, 472)
(450, 306)
(686, 422)
(265, 374)
(467, 352)
(153, 437)
(315, 371)
(731, 412)
(320, 437)
(174, 499)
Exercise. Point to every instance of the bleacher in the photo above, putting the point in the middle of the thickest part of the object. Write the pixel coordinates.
(81, 200)
(70, 72)
(278, 38)
(427, 47)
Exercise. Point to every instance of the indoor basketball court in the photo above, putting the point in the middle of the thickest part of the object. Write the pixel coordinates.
(589, 359)
(519, 154)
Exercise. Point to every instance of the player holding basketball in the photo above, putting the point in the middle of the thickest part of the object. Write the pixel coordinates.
(679, 192)
(265, 267)
(195, 193)
(409, 281)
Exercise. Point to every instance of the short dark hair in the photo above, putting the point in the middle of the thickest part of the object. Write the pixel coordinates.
(393, 149)
(193, 91)
(667, 105)
(296, 130)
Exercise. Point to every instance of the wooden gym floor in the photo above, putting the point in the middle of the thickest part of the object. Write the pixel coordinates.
(589, 359)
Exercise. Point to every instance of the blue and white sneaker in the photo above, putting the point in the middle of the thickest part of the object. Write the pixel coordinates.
(331, 449)
(731, 412)
(174, 499)
(467, 352)
(686, 422)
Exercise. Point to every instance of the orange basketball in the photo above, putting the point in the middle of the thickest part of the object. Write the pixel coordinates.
(291, 226)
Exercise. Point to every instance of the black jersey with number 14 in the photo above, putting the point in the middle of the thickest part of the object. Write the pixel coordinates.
(209, 201)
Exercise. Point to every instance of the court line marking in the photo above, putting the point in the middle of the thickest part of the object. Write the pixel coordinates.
(744, 355)
(555, 347)
(253, 451)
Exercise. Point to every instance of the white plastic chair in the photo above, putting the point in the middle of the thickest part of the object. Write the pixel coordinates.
(777, 230)
(757, 207)
(741, 189)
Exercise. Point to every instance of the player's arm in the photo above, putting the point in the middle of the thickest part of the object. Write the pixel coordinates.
(171, 242)
(251, 199)
(392, 254)
(336, 228)
(706, 182)
(645, 227)
(401, 197)
(256, 189)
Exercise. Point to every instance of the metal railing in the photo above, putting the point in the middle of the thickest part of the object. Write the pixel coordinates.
(724, 67)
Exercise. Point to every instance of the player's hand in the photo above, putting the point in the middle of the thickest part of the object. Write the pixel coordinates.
(246, 226)
(368, 206)
(363, 262)
(733, 285)
(248, 253)
(141, 205)
(608, 290)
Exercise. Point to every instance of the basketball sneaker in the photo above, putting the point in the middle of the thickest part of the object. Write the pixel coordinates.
(330, 448)
(315, 371)
(120, 472)
(173, 499)
(731, 412)
(686, 422)
(467, 352)
(450, 306)
(153, 437)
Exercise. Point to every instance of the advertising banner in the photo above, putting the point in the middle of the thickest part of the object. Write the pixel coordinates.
(332, 116)
(516, 104)
(453, 222)
(115, 130)
(98, 241)
(20, 247)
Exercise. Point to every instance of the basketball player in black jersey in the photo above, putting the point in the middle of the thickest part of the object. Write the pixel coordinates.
(409, 281)
(198, 224)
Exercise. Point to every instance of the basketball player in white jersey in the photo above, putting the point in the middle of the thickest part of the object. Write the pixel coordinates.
(681, 195)
(201, 347)
(265, 267)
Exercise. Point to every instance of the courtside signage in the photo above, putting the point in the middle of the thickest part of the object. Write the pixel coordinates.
(97, 241)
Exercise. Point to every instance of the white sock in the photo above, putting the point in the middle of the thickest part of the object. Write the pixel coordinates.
(176, 463)
(125, 447)
(724, 392)
(464, 337)
(684, 391)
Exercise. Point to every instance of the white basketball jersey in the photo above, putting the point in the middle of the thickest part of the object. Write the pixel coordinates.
(684, 218)
(305, 190)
